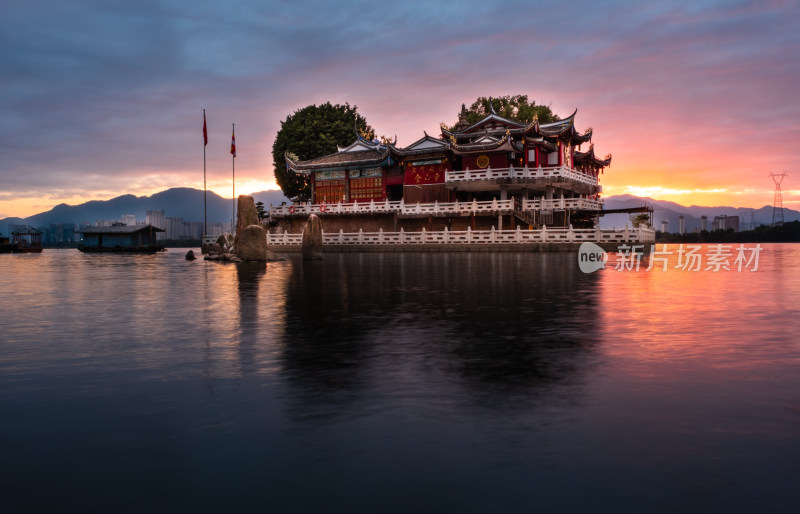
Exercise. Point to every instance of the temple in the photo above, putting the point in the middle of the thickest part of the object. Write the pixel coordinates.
(494, 175)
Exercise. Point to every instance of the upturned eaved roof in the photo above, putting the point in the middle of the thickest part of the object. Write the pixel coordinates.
(565, 127)
(494, 124)
(358, 154)
(426, 145)
(485, 144)
(589, 157)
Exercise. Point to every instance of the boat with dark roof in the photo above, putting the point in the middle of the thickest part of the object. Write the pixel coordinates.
(120, 238)
(26, 241)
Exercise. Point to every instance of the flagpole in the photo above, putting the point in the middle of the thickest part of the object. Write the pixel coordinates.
(233, 179)
(205, 142)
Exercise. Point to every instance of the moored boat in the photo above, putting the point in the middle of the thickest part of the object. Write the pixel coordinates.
(26, 241)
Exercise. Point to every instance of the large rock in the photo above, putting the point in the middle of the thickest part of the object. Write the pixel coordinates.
(246, 215)
(251, 243)
(225, 243)
(312, 238)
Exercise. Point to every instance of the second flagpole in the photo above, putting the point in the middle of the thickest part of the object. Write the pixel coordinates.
(233, 176)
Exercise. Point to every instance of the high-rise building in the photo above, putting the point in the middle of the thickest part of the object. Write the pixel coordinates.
(664, 224)
(128, 219)
(158, 219)
(703, 222)
(175, 229)
(681, 224)
(724, 222)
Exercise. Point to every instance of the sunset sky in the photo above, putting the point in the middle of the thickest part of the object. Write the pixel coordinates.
(697, 101)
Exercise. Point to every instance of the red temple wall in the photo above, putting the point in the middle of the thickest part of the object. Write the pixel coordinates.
(496, 160)
(426, 173)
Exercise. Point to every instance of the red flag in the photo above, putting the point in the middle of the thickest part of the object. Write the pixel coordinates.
(233, 143)
(205, 131)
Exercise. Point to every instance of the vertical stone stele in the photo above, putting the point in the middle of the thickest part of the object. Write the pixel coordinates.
(312, 239)
(252, 243)
(246, 215)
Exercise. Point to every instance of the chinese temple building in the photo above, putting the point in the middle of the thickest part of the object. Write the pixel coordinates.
(496, 174)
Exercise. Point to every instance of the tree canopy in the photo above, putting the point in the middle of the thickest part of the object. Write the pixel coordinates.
(513, 107)
(311, 132)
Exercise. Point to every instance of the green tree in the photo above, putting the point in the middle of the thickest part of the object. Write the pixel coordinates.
(312, 132)
(642, 218)
(512, 107)
(262, 213)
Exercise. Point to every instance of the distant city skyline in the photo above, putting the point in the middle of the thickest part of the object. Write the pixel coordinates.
(694, 102)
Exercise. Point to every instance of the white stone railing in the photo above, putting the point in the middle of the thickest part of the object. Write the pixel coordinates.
(562, 204)
(543, 235)
(555, 172)
(454, 208)
(393, 207)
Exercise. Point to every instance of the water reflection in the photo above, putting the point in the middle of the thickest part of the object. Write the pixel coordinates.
(500, 325)
(248, 278)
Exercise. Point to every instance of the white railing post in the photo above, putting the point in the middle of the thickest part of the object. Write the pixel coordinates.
(360, 236)
(380, 235)
(492, 237)
(445, 234)
(626, 234)
(543, 233)
(474, 206)
(402, 236)
(518, 235)
(570, 234)
(423, 235)
(469, 234)
(341, 236)
(436, 206)
(494, 204)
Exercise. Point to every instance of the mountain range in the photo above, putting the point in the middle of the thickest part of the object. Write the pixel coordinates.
(671, 211)
(187, 203)
(179, 202)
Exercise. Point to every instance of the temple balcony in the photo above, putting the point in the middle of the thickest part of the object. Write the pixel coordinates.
(642, 235)
(578, 204)
(480, 179)
(403, 209)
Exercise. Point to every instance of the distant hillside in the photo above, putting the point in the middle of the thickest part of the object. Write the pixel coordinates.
(179, 202)
(187, 203)
(670, 211)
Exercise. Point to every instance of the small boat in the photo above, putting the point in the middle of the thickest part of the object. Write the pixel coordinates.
(120, 238)
(27, 241)
(6, 246)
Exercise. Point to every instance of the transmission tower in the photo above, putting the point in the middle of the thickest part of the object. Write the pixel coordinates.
(777, 204)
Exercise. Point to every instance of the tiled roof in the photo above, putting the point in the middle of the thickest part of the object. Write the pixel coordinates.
(340, 160)
(504, 144)
(590, 157)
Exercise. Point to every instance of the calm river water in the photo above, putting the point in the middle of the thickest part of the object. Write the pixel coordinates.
(400, 383)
